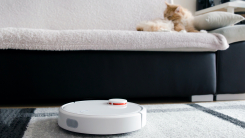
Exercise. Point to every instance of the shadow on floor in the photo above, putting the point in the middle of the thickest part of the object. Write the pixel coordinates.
(59, 102)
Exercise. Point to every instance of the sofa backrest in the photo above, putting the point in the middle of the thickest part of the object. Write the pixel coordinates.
(79, 14)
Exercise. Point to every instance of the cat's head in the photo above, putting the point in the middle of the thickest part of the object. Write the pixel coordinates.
(173, 12)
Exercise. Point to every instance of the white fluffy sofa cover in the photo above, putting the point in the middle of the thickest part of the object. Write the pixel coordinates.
(79, 14)
(39, 39)
(93, 25)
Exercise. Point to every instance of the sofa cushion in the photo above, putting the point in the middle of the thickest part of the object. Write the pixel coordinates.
(215, 20)
(38, 39)
(232, 33)
(79, 14)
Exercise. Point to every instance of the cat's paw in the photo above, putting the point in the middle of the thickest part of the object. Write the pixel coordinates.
(203, 31)
(164, 30)
(183, 31)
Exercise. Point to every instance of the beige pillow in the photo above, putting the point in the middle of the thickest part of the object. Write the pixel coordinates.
(215, 20)
(232, 33)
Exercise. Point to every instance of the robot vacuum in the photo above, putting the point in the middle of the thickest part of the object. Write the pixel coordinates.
(102, 117)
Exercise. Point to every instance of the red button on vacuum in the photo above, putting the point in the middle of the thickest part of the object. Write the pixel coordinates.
(117, 101)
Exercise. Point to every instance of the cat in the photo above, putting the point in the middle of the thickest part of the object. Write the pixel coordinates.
(181, 17)
(176, 19)
(157, 25)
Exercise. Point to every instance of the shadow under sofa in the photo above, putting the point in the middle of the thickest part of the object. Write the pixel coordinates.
(60, 75)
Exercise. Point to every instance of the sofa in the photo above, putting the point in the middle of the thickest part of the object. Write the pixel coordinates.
(32, 73)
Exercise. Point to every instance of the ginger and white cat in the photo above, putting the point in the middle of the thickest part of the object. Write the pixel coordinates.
(181, 17)
(157, 25)
(176, 18)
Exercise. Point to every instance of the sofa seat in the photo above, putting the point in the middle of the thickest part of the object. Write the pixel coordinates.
(63, 40)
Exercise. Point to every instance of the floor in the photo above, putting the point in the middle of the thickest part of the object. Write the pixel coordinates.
(142, 102)
(158, 101)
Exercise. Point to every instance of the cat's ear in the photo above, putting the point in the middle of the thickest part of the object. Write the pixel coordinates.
(167, 3)
(178, 9)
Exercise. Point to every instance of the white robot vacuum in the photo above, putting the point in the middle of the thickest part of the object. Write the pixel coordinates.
(102, 117)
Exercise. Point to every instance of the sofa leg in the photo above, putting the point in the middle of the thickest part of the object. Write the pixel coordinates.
(202, 98)
(229, 97)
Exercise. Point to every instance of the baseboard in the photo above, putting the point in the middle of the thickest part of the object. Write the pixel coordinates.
(202, 98)
(229, 97)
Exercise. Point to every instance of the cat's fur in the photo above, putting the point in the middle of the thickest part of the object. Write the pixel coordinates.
(163, 25)
(181, 17)
(176, 18)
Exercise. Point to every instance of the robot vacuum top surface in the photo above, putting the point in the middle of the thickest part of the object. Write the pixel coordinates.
(101, 108)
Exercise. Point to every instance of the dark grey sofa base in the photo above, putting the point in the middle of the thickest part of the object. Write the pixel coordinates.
(60, 75)
(231, 69)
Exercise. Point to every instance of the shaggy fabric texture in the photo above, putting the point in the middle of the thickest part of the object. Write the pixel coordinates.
(12, 123)
(203, 120)
(232, 33)
(79, 14)
(38, 39)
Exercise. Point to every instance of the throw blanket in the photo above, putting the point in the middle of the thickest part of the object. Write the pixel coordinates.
(39, 39)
